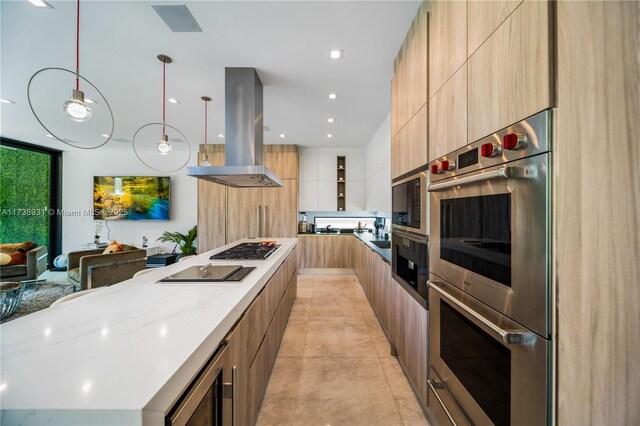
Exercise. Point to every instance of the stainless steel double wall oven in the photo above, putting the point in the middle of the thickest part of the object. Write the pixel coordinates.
(489, 295)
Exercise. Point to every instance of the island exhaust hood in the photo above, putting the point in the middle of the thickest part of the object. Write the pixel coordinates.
(244, 166)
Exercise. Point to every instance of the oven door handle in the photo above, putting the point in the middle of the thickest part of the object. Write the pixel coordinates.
(434, 385)
(501, 173)
(509, 337)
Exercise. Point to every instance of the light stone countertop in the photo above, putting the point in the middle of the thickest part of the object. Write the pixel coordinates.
(123, 354)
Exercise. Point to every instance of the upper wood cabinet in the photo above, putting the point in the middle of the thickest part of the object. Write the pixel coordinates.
(409, 83)
(447, 41)
(211, 206)
(448, 116)
(409, 147)
(510, 75)
(282, 160)
(281, 206)
(484, 17)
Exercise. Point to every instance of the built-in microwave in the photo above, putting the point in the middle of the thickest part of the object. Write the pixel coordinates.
(409, 204)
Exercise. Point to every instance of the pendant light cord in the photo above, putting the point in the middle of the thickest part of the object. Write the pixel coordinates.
(164, 100)
(78, 45)
(205, 123)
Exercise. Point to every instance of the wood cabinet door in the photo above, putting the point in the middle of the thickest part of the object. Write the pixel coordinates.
(447, 41)
(282, 160)
(510, 75)
(484, 16)
(448, 116)
(409, 147)
(281, 210)
(243, 214)
(212, 204)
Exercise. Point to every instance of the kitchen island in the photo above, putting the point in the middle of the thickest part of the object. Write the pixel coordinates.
(125, 354)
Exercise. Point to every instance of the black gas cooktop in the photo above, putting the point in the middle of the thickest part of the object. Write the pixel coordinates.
(247, 251)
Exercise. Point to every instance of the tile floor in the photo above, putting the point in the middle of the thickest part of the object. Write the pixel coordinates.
(334, 366)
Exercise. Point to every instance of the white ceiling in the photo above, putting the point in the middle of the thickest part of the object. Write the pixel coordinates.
(288, 43)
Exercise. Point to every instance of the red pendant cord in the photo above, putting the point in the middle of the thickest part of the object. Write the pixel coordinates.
(78, 46)
(164, 64)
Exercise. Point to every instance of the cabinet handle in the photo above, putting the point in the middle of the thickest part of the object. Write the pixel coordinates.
(258, 220)
(234, 396)
(264, 222)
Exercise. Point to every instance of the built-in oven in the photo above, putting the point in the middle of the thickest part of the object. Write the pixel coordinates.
(490, 221)
(210, 399)
(409, 204)
(410, 263)
(485, 368)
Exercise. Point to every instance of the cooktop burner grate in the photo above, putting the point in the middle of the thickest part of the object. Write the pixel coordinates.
(247, 251)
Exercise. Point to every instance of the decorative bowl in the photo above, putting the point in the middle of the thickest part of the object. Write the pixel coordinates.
(10, 296)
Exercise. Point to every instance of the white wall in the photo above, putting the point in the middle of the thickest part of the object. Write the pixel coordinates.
(377, 170)
(78, 169)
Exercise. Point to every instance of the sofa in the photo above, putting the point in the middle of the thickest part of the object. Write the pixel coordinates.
(92, 269)
(36, 264)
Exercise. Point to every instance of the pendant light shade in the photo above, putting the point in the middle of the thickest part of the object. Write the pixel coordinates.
(161, 146)
(205, 162)
(49, 89)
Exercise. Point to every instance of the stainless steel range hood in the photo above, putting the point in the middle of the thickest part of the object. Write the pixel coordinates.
(244, 166)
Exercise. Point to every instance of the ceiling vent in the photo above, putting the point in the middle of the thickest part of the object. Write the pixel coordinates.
(178, 18)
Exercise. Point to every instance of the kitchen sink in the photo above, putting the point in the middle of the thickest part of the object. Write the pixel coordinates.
(382, 244)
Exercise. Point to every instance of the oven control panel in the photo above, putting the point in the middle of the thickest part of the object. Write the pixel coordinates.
(521, 140)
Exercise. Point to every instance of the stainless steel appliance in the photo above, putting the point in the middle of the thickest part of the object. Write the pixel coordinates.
(210, 400)
(247, 251)
(409, 204)
(209, 273)
(484, 367)
(410, 263)
(490, 221)
(489, 295)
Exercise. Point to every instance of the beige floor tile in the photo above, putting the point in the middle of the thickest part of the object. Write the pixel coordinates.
(344, 391)
(293, 340)
(339, 339)
(300, 310)
(279, 402)
(332, 308)
(406, 400)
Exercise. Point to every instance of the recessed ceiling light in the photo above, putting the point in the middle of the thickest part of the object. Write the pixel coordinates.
(173, 101)
(105, 135)
(220, 135)
(333, 95)
(329, 135)
(330, 120)
(90, 101)
(40, 3)
(336, 54)
(282, 135)
(6, 101)
(49, 135)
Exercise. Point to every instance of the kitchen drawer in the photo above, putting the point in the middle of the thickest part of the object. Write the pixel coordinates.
(442, 407)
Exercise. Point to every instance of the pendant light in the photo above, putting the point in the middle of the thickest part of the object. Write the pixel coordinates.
(48, 81)
(205, 157)
(152, 156)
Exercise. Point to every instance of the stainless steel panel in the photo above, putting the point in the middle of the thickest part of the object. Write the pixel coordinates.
(237, 176)
(527, 300)
(530, 368)
(243, 117)
(537, 130)
(424, 208)
(442, 409)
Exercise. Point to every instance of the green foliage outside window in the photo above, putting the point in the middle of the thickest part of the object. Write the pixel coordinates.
(24, 196)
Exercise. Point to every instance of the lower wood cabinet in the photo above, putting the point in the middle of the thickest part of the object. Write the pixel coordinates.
(403, 319)
(325, 251)
(256, 338)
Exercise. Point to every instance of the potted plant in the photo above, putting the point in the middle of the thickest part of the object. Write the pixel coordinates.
(186, 242)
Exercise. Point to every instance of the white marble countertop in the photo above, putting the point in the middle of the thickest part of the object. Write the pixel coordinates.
(122, 354)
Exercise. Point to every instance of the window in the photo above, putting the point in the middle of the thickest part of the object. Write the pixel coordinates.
(29, 193)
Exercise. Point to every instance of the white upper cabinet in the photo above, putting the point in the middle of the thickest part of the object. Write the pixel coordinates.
(327, 167)
(355, 167)
(308, 197)
(308, 167)
(327, 196)
(355, 195)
